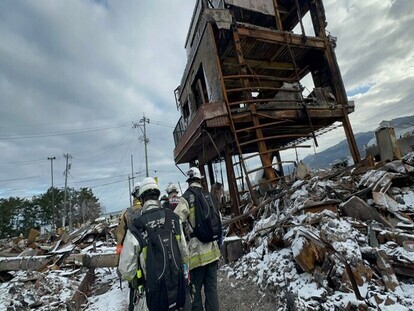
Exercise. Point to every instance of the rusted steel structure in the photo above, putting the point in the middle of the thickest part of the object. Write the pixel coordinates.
(241, 94)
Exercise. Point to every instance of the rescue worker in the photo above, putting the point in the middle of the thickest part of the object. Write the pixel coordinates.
(126, 218)
(124, 223)
(172, 200)
(131, 252)
(203, 257)
(217, 192)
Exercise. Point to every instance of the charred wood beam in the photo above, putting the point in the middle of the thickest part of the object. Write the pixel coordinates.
(277, 16)
(38, 262)
(274, 137)
(83, 291)
(278, 37)
(261, 88)
(261, 145)
(231, 179)
(328, 247)
(401, 268)
(388, 276)
(257, 77)
(261, 64)
(251, 211)
(23, 263)
(341, 97)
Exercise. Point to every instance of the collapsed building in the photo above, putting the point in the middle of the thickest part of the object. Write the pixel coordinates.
(336, 240)
(241, 97)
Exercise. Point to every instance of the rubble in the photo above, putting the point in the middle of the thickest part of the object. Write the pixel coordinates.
(54, 272)
(337, 240)
(334, 240)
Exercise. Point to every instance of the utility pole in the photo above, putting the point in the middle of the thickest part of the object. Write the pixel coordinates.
(65, 210)
(130, 190)
(53, 193)
(131, 181)
(132, 171)
(142, 122)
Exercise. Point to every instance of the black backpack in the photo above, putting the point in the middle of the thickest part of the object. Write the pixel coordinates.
(207, 217)
(164, 280)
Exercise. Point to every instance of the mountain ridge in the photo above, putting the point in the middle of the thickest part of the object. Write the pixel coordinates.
(340, 151)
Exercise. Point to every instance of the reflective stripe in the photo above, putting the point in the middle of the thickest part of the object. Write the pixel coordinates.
(144, 252)
(203, 259)
(178, 237)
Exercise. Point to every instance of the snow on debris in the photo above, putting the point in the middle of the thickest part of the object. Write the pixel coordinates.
(332, 241)
(300, 249)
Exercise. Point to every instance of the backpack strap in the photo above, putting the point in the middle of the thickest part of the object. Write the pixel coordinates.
(137, 228)
(195, 193)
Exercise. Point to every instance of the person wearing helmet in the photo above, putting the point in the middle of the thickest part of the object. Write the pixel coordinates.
(126, 218)
(125, 222)
(132, 258)
(203, 257)
(172, 200)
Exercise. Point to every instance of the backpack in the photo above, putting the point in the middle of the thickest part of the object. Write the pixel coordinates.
(207, 226)
(130, 215)
(164, 280)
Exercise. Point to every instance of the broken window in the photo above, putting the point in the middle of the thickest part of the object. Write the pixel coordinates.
(199, 88)
(186, 110)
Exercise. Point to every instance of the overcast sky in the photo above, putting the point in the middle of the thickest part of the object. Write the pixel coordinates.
(76, 75)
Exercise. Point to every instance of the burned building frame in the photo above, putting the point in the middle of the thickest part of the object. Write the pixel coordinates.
(241, 94)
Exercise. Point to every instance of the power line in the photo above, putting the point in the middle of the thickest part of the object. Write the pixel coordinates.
(107, 148)
(109, 183)
(117, 166)
(162, 123)
(27, 162)
(49, 124)
(23, 178)
(61, 133)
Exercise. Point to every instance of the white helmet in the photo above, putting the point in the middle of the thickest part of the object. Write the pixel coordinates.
(194, 172)
(148, 184)
(171, 188)
(135, 191)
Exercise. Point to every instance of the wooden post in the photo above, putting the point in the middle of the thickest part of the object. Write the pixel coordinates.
(232, 183)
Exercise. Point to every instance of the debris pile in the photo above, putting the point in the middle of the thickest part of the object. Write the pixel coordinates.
(338, 240)
(332, 240)
(55, 272)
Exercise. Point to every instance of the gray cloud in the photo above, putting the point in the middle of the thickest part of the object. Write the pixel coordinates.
(76, 74)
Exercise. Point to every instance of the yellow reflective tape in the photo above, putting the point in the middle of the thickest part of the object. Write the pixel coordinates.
(178, 237)
(205, 258)
(144, 252)
(139, 273)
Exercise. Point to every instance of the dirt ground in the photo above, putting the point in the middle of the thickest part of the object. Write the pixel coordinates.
(243, 295)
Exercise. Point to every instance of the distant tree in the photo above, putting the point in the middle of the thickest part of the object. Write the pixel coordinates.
(48, 214)
(85, 206)
(30, 216)
(20, 215)
(9, 211)
(82, 205)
